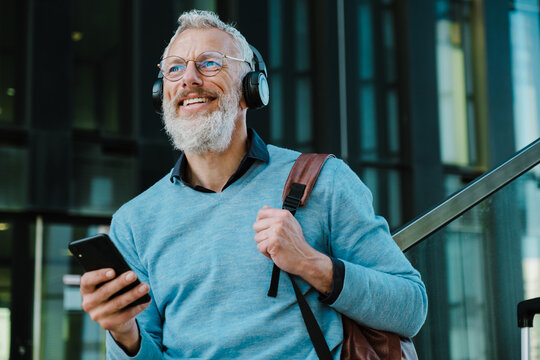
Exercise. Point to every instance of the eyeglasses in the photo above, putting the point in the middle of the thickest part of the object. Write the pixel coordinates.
(209, 63)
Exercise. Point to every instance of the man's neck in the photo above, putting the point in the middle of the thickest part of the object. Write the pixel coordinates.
(213, 170)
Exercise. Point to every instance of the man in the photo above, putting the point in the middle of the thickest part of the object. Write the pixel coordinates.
(196, 238)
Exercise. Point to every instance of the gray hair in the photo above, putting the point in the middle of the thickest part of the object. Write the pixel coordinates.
(201, 19)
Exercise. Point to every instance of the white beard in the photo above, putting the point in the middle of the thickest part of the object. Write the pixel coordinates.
(203, 132)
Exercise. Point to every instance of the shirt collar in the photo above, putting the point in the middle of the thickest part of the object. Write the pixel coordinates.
(257, 151)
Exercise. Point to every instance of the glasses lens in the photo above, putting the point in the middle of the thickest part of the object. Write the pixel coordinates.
(173, 67)
(209, 63)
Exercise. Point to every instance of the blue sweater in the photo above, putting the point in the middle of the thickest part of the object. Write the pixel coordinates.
(209, 282)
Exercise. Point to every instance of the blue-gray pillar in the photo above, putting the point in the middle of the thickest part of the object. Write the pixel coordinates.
(423, 177)
(503, 253)
(48, 105)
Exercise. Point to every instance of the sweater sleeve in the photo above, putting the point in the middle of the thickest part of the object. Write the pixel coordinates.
(381, 289)
(149, 321)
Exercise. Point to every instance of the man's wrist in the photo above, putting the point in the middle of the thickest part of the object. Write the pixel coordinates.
(318, 271)
(338, 278)
(130, 340)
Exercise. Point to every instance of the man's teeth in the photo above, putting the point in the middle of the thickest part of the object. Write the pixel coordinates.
(195, 100)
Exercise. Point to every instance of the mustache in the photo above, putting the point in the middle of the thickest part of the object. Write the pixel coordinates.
(200, 92)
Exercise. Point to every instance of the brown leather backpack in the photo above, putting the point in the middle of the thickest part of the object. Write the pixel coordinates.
(359, 342)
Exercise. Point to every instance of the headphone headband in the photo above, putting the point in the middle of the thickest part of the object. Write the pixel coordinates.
(259, 62)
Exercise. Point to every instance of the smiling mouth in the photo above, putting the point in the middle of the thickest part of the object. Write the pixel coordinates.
(198, 100)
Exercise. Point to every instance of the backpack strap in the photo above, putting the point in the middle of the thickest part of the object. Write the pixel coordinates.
(305, 171)
(298, 186)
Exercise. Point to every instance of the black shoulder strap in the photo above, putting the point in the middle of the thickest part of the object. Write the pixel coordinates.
(298, 186)
(300, 182)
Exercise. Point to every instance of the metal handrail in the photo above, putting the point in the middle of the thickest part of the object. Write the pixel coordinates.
(419, 229)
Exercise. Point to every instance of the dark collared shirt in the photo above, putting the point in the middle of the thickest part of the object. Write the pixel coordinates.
(258, 152)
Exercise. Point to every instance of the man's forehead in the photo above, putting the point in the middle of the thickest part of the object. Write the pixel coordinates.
(194, 41)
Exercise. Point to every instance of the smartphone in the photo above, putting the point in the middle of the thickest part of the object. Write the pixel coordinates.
(98, 252)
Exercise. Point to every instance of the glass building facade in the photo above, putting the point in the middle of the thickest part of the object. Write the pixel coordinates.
(419, 98)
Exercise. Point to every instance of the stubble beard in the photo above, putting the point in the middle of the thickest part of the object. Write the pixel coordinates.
(203, 132)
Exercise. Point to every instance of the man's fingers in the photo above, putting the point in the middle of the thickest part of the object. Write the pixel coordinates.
(112, 287)
(97, 296)
(123, 300)
(113, 313)
(268, 217)
(123, 316)
(119, 303)
(259, 237)
(90, 280)
(111, 320)
(263, 249)
(262, 224)
(268, 212)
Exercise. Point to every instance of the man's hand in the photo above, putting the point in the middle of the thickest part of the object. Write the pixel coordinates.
(280, 238)
(112, 314)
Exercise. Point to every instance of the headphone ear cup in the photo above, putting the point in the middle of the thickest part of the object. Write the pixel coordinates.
(157, 95)
(256, 91)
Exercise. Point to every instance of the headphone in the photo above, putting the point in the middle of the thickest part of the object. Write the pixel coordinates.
(254, 86)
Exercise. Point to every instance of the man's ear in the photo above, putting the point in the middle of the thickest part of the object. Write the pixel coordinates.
(243, 103)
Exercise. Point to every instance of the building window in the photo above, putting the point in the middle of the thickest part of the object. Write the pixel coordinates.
(525, 45)
(11, 65)
(101, 182)
(290, 64)
(373, 120)
(457, 113)
(13, 165)
(102, 68)
(6, 236)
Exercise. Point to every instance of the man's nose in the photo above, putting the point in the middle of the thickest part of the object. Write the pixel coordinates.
(191, 77)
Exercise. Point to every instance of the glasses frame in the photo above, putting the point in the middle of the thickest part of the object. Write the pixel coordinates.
(223, 56)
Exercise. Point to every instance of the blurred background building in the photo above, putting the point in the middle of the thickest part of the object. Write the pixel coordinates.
(418, 97)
